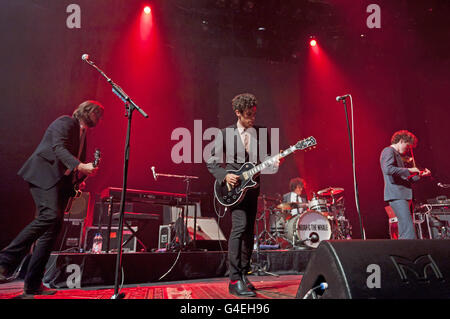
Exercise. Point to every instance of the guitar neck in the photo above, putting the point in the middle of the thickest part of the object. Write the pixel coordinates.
(271, 161)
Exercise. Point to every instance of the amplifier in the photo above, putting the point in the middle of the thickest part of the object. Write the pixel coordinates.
(70, 236)
(79, 207)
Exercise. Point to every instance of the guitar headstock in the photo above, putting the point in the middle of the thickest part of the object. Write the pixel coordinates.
(97, 157)
(306, 143)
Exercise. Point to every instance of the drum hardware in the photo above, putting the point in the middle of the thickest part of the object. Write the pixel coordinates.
(257, 266)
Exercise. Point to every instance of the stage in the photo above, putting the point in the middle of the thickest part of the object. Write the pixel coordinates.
(268, 287)
(166, 275)
(83, 270)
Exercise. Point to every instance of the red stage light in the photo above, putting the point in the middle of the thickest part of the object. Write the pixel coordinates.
(147, 10)
(313, 43)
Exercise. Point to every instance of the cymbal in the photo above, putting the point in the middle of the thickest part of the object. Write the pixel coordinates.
(292, 205)
(268, 198)
(331, 191)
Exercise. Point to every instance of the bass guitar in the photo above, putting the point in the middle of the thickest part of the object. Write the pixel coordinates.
(76, 191)
(228, 195)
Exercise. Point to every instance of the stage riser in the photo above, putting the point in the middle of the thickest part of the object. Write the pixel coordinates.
(89, 270)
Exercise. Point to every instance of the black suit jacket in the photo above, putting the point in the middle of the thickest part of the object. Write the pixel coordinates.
(223, 159)
(55, 153)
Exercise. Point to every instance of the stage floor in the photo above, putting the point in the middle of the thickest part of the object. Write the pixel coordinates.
(268, 287)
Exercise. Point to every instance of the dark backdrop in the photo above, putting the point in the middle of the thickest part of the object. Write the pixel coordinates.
(195, 60)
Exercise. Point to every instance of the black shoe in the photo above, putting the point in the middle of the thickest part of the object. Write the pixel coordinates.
(42, 291)
(247, 282)
(240, 289)
(4, 276)
(30, 294)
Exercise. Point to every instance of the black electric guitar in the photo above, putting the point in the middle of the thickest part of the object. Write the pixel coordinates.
(229, 195)
(78, 180)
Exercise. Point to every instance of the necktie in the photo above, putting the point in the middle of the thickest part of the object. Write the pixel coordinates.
(246, 141)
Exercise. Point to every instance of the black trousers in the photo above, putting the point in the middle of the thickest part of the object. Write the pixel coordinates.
(43, 231)
(240, 243)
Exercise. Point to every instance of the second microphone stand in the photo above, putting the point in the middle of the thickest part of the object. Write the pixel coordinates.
(184, 228)
(363, 234)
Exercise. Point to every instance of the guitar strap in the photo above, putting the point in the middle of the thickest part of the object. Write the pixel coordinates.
(80, 150)
(82, 139)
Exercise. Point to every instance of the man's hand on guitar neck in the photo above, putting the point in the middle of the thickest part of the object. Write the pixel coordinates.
(87, 169)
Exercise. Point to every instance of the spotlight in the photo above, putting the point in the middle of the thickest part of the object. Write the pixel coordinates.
(313, 43)
(147, 10)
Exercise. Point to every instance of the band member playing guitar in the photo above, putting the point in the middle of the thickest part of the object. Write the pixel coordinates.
(240, 242)
(49, 172)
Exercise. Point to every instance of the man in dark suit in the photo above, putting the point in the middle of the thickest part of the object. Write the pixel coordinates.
(239, 143)
(398, 179)
(49, 172)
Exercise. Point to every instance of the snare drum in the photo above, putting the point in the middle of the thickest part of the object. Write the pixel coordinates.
(306, 225)
(318, 204)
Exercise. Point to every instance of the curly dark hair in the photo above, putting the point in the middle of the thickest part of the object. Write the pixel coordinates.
(293, 183)
(405, 136)
(243, 102)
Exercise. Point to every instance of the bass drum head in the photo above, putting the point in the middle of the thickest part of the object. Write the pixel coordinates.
(291, 229)
(313, 225)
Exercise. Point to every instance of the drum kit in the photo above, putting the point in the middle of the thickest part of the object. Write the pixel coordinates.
(304, 224)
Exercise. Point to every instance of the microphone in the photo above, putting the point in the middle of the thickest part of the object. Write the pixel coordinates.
(314, 237)
(85, 57)
(155, 176)
(323, 286)
(343, 97)
(443, 185)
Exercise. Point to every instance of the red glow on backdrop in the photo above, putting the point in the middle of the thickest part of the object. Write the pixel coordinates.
(147, 74)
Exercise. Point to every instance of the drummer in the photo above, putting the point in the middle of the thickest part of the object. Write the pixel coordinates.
(296, 195)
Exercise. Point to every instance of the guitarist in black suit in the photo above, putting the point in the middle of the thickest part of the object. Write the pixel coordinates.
(50, 172)
(243, 140)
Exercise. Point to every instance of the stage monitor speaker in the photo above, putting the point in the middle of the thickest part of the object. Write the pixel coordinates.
(378, 269)
(79, 207)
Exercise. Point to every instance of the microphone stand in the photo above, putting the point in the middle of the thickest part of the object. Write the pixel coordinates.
(363, 234)
(130, 106)
(187, 179)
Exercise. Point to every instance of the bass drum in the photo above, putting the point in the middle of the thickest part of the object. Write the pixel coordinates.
(310, 228)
